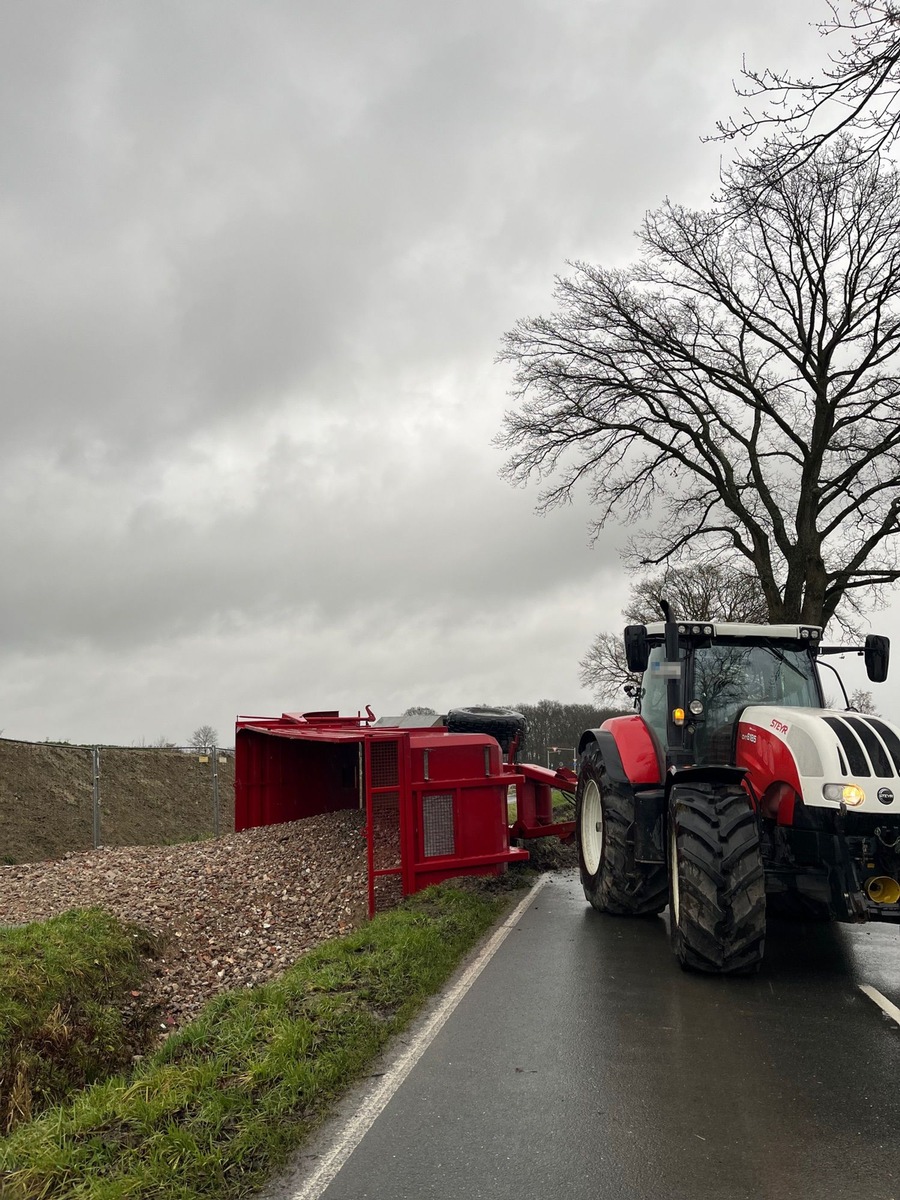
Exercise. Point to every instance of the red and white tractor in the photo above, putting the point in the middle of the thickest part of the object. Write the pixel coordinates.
(733, 787)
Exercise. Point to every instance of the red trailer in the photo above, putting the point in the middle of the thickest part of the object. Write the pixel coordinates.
(435, 801)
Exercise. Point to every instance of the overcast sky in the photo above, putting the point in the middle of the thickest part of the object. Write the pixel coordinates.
(255, 263)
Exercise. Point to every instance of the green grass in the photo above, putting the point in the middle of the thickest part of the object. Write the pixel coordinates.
(221, 1104)
(563, 806)
(64, 1017)
(563, 803)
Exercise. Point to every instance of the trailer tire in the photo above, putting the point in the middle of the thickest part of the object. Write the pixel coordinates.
(504, 724)
(717, 897)
(604, 820)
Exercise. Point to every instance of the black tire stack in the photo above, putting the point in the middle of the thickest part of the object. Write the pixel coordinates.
(504, 724)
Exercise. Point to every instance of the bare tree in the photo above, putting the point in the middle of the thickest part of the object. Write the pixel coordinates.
(862, 701)
(603, 670)
(419, 710)
(551, 723)
(702, 592)
(736, 386)
(858, 89)
(204, 738)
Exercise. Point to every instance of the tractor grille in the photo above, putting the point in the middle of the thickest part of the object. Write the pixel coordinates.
(437, 822)
(889, 738)
(874, 747)
(869, 746)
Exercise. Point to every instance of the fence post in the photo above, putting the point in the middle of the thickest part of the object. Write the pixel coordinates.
(95, 780)
(215, 789)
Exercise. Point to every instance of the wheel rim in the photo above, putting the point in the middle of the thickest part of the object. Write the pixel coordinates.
(673, 869)
(591, 827)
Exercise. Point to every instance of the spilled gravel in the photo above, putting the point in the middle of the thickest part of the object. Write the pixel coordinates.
(232, 913)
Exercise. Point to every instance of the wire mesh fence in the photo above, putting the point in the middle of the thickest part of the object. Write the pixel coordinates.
(55, 798)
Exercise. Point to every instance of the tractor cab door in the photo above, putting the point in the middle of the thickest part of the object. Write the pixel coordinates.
(728, 676)
(654, 695)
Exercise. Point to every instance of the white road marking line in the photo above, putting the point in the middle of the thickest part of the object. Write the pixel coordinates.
(377, 1100)
(882, 1001)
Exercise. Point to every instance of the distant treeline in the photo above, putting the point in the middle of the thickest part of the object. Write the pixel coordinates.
(553, 724)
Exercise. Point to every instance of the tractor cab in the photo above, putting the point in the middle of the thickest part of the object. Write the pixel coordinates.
(693, 693)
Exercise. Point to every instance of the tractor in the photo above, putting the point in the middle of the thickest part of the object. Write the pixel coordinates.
(732, 790)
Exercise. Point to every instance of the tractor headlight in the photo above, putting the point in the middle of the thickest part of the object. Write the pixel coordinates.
(849, 793)
(696, 707)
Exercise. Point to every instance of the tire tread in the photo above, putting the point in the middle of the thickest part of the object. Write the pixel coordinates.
(722, 902)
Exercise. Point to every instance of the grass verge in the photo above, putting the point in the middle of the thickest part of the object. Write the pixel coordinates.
(65, 1020)
(224, 1101)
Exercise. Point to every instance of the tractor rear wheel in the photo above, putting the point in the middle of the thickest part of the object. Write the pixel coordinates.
(717, 896)
(604, 819)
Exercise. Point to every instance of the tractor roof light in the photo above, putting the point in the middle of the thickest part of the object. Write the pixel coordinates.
(846, 793)
(678, 716)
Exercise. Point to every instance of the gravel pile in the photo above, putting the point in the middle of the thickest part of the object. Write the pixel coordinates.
(234, 912)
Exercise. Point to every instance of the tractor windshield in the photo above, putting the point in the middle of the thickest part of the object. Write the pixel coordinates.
(730, 675)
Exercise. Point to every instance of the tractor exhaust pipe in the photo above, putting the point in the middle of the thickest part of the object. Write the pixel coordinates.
(882, 889)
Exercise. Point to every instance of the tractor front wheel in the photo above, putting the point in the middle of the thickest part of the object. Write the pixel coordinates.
(717, 896)
(604, 819)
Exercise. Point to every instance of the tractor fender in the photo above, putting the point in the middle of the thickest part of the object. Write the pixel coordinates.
(628, 742)
(630, 760)
(612, 760)
(587, 738)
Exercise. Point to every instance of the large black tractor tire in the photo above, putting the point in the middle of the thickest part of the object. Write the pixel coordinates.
(717, 893)
(504, 724)
(604, 832)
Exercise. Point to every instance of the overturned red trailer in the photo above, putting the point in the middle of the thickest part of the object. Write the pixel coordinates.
(435, 801)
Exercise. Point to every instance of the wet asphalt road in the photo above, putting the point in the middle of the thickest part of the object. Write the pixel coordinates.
(584, 1064)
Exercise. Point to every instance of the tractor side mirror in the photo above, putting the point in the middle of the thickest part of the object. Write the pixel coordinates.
(877, 654)
(637, 649)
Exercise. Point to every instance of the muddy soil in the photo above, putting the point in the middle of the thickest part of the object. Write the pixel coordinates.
(148, 797)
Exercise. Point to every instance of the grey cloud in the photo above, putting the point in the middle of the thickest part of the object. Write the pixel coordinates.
(256, 261)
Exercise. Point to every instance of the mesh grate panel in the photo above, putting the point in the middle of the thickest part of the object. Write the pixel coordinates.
(384, 765)
(388, 892)
(437, 822)
(386, 830)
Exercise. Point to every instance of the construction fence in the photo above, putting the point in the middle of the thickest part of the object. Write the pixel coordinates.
(55, 798)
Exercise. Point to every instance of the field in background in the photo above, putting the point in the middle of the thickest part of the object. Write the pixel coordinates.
(148, 796)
